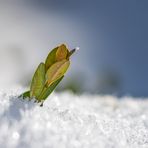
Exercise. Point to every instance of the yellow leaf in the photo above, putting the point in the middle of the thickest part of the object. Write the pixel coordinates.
(56, 71)
(61, 53)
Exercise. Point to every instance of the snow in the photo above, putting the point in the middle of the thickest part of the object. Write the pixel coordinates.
(71, 121)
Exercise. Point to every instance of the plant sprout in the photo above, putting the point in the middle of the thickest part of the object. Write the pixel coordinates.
(49, 74)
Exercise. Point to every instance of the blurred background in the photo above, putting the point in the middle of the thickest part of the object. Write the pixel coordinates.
(112, 36)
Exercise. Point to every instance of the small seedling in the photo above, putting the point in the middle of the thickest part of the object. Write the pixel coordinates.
(49, 74)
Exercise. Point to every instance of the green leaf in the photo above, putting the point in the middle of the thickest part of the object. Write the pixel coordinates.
(48, 90)
(51, 58)
(25, 95)
(56, 71)
(38, 81)
(48, 75)
(61, 53)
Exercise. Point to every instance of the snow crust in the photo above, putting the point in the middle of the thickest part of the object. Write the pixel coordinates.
(71, 121)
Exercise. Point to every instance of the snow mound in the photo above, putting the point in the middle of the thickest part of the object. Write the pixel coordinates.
(70, 121)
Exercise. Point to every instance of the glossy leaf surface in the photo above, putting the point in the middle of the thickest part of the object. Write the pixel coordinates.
(56, 71)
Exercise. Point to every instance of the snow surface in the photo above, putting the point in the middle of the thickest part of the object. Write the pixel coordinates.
(71, 121)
